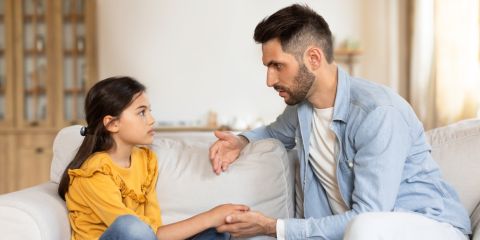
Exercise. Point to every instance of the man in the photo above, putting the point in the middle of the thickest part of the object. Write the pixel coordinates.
(365, 167)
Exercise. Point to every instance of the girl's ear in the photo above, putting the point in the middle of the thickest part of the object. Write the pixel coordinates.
(110, 123)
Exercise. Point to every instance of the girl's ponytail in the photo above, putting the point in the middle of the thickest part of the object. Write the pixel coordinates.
(85, 150)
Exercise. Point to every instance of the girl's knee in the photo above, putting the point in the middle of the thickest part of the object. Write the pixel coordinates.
(131, 227)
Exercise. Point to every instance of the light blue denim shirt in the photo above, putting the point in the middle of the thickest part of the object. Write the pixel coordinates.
(383, 161)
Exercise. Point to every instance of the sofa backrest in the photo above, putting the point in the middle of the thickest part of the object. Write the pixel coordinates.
(456, 148)
(262, 178)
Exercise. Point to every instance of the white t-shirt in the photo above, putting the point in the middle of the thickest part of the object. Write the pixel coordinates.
(323, 157)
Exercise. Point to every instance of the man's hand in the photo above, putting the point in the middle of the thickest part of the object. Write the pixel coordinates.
(217, 215)
(249, 224)
(225, 150)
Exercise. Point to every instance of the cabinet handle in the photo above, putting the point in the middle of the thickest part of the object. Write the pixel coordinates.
(34, 123)
(39, 150)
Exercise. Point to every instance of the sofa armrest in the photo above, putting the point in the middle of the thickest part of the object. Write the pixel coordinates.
(34, 213)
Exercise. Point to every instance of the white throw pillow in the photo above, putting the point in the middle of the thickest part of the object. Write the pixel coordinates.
(456, 148)
(262, 178)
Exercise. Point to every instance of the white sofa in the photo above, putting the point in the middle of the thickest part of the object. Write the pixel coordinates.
(262, 179)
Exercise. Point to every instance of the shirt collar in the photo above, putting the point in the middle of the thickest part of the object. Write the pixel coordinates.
(342, 98)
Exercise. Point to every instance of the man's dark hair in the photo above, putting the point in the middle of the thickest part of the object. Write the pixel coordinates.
(297, 27)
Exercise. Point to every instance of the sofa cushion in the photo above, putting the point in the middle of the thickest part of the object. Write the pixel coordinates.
(65, 146)
(456, 148)
(262, 178)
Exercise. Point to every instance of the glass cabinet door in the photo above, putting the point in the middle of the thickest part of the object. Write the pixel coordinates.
(6, 64)
(77, 58)
(34, 80)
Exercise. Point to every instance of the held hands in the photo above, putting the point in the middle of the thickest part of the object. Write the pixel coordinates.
(248, 224)
(218, 214)
(225, 150)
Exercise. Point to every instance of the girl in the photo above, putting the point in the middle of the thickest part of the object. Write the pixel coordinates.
(109, 187)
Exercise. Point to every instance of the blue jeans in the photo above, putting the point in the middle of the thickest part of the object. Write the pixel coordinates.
(131, 228)
(128, 227)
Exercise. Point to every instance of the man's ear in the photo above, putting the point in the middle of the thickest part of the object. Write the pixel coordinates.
(313, 58)
(110, 123)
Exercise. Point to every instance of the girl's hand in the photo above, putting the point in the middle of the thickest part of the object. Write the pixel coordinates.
(218, 214)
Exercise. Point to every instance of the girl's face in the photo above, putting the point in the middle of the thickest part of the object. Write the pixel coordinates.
(135, 124)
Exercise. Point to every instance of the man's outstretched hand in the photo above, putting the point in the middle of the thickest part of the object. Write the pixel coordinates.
(249, 224)
(225, 150)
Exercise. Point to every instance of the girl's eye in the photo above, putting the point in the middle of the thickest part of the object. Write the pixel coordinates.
(142, 113)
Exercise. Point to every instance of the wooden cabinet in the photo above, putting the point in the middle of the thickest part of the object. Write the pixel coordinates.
(33, 158)
(47, 63)
(7, 168)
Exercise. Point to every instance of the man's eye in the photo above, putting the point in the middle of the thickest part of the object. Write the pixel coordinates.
(278, 66)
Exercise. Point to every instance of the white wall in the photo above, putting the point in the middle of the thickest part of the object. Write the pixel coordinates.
(196, 56)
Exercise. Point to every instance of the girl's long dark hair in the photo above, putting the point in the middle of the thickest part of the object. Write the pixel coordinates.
(107, 97)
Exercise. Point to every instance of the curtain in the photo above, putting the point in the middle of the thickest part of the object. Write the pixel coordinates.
(444, 61)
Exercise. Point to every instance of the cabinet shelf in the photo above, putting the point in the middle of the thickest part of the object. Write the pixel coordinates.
(31, 52)
(74, 90)
(73, 17)
(73, 52)
(348, 56)
(29, 18)
(348, 52)
(36, 91)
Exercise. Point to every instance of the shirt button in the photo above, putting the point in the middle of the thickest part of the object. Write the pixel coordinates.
(350, 163)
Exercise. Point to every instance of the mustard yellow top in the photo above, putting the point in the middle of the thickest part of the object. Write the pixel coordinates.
(100, 191)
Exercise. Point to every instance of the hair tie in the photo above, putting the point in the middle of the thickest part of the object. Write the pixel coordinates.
(83, 131)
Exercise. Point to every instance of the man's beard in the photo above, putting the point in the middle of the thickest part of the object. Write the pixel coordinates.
(303, 82)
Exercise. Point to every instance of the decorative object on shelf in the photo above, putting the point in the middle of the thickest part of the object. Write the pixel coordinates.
(39, 6)
(80, 44)
(212, 119)
(39, 43)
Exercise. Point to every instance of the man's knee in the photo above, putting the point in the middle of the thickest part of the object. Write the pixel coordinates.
(363, 227)
(131, 227)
